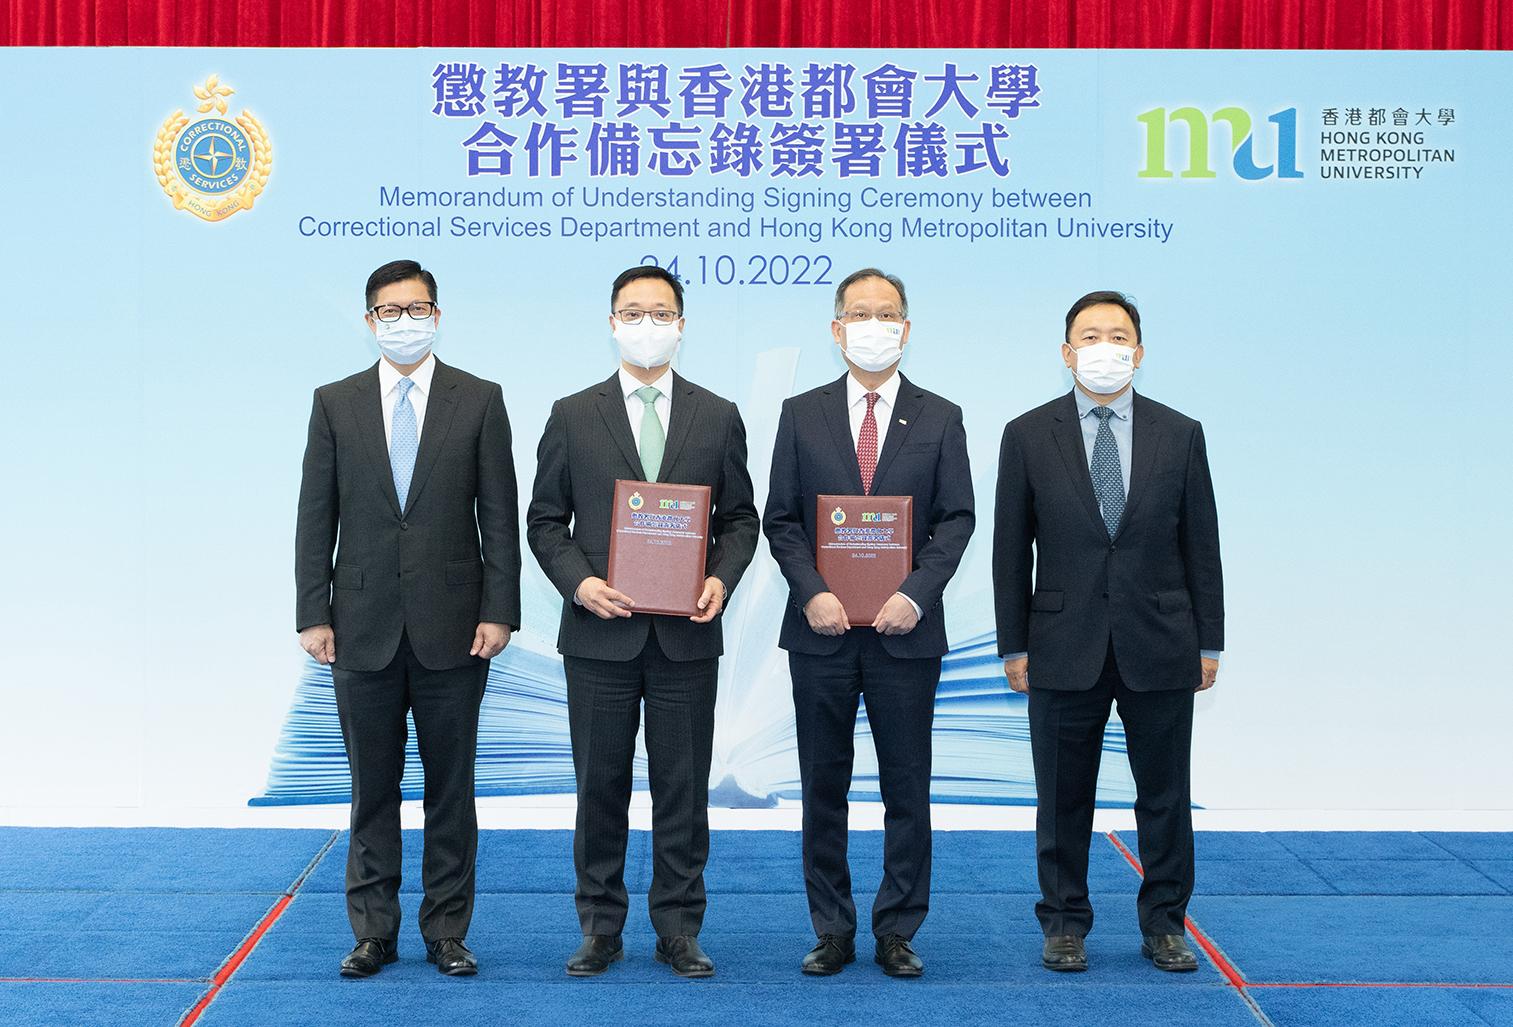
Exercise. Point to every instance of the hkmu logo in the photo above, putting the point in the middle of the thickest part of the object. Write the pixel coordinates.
(1241, 140)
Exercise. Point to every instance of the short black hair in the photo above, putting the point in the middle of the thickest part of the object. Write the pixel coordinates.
(399, 271)
(870, 272)
(646, 271)
(1094, 299)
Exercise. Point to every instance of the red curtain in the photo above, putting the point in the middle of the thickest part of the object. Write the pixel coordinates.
(1276, 24)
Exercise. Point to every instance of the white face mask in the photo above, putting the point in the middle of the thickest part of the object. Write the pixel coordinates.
(647, 344)
(406, 341)
(874, 345)
(1105, 367)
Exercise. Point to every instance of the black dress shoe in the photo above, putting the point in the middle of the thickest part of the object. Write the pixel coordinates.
(897, 958)
(828, 957)
(683, 954)
(370, 956)
(451, 957)
(1064, 952)
(1169, 952)
(594, 955)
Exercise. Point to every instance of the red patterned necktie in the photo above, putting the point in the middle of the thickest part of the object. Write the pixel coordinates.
(866, 444)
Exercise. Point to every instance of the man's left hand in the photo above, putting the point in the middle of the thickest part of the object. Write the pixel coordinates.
(1210, 674)
(711, 601)
(489, 640)
(897, 617)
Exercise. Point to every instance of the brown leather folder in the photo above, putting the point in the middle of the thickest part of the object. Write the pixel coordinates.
(863, 550)
(657, 545)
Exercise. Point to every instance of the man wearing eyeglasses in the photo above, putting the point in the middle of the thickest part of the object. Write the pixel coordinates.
(645, 423)
(408, 464)
(871, 432)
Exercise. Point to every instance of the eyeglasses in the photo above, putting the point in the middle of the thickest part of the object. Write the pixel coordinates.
(847, 317)
(389, 312)
(633, 317)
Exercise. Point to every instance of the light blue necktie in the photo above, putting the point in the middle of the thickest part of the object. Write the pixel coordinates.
(404, 442)
(1108, 480)
(653, 440)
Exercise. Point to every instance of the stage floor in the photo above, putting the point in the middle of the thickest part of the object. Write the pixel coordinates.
(126, 926)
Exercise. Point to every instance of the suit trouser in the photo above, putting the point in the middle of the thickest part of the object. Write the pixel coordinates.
(604, 700)
(900, 697)
(372, 707)
(1066, 741)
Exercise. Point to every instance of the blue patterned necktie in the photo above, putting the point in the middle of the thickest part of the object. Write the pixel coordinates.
(404, 442)
(1108, 480)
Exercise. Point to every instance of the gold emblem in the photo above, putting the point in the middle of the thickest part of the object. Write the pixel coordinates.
(212, 166)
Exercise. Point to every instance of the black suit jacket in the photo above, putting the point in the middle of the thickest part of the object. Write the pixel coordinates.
(1156, 589)
(586, 446)
(924, 455)
(449, 560)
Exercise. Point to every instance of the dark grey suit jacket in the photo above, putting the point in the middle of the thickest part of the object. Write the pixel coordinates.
(449, 560)
(1156, 589)
(924, 456)
(588, 444)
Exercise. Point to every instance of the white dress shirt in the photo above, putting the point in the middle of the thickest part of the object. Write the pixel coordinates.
(634, 408)
(882, 413)
(388, 390)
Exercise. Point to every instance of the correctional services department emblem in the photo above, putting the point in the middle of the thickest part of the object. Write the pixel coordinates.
(838, 517)
(212, 166)
(635, 502)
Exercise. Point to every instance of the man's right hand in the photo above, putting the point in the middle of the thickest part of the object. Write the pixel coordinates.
(603, 601)
(1018, 673)
(826, 615)
(320, 642)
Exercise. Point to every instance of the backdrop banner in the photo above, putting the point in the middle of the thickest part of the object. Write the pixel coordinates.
(1317, 242)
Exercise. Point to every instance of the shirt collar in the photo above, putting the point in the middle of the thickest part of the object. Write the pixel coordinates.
(856, 391)
(629, 383)
(1121, 406)
(388, 376)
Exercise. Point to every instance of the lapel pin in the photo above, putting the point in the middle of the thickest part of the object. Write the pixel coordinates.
(902, 421)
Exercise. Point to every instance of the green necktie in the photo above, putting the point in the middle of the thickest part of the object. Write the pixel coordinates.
(652, 438)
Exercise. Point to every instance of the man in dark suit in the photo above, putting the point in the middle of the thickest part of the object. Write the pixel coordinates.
(872, 432)
(1127, 606)
(645, 423)
(409, 464)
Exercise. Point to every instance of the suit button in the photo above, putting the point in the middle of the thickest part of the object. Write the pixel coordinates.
(1105, 595)
(404, 525)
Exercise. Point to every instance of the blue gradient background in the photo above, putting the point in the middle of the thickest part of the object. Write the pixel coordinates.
(1341, 342)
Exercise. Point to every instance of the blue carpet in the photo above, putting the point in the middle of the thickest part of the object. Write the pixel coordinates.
(157, 904)
(794, 1001)
(1361, 845)
(144, 904)
(752, 862)
(154, 859)
(97, 1005)
(1499, 870)
(755, 939)
(1473, 844)
(1405, 877)
(1380, 938)
(1375, 1007)
(139, 936)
